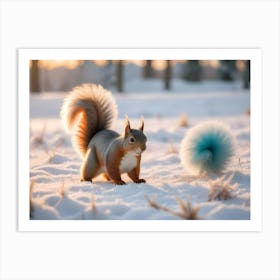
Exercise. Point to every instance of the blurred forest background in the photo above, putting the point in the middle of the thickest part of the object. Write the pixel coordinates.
(136, 75)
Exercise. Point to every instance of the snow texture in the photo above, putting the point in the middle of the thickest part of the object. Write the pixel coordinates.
(56, 190)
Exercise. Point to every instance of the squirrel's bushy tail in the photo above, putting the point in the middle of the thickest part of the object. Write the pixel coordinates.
(87, 109)
(207, 147)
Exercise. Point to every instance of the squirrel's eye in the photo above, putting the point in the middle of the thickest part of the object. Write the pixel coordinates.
(131, 140)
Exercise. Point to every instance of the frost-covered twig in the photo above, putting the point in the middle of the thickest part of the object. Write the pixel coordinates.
(187, 212)
(221, 189)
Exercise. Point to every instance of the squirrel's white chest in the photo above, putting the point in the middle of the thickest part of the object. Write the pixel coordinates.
(128, 162)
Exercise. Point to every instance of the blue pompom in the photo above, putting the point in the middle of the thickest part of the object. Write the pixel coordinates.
(207, 147)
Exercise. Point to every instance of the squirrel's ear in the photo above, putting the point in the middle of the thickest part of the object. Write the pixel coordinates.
(141, 127)
(127, 127)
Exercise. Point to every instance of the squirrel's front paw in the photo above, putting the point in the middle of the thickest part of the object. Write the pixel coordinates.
(121, 182)
(85, 180)
(138, 181)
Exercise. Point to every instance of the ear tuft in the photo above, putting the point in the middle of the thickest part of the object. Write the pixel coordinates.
(127, 126)
(141, 127)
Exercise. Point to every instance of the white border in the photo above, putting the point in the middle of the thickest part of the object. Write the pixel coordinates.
(254, 224)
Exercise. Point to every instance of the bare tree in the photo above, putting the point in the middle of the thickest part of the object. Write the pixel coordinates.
(120, 76)
(167, 75)
(227, 71)
(34, 76)
(192, 71)
(148, 69)
(108, 74)
(246, 75)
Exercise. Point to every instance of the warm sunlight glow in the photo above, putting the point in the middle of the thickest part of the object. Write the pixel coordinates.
(159, 64)
(212, 63)
(241, 65)
(101, 63)
(52, 64)
(139, 63)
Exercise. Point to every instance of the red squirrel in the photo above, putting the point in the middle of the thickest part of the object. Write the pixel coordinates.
(88, 112)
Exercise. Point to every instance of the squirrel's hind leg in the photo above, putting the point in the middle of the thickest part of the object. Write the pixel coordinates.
(106, 176)
(90, 166)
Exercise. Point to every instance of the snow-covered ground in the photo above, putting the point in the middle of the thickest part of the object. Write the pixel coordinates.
(57, 192)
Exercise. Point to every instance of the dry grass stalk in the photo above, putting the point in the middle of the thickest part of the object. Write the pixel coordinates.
(31, 208)
(62, 190)
(187, 212)
(39, 140)
(239, 162)
(60, 142)
(93, 203)
(221, 189)
(51, 154)
(172, 149)
(183, 120)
